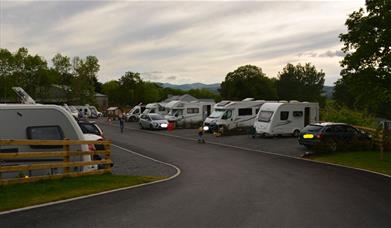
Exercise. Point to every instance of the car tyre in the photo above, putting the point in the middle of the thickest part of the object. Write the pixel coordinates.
(296, 133)
(332, 146)
(133, 119)
(141, 126)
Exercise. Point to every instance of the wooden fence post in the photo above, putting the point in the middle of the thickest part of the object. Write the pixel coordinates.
(66, 157)
(107, 155)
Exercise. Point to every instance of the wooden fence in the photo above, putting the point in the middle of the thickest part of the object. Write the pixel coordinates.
(64, 155)
(378, 136)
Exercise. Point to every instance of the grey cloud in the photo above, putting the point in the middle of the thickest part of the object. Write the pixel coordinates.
(152, 75)
(331, 54)
(171, 78)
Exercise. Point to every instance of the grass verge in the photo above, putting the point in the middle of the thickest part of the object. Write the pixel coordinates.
(369, 160)
(22, 195)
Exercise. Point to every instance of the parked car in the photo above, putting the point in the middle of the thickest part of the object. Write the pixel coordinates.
(91, 128)
(153, 121)
(334, 136)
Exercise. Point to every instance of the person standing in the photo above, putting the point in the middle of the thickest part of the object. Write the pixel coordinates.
(201, 135)
(121, 122)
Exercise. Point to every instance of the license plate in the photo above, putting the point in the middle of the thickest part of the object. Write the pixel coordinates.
(308, 136)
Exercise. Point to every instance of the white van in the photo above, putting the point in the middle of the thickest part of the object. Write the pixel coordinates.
(188, 113)
(51, 122)
(234, 114)
(134, 114)
(279, 118)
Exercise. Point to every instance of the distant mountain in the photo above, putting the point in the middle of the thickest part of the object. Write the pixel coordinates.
(328, 91)
(211, 87)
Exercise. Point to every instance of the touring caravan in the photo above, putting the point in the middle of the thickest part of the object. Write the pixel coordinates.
(158, 108)
(35, 121)
(278, 118)
(188, 114)
(234, 114)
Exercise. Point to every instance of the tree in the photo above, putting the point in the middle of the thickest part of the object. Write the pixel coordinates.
(303, 83)
(247, 81)
(366, 74)
(83, 83)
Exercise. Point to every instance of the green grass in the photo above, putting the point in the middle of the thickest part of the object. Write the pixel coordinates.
(22, 195)
(369, 160)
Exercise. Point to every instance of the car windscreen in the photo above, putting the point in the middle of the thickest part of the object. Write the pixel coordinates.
(265, 116)
(88, 128)
(156, 117)
(218, 113)
(312, 128)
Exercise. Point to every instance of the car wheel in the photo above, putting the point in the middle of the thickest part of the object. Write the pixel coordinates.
(332, 146)
(151, 126)
(296, 133)
(141, 126)
(133, 119)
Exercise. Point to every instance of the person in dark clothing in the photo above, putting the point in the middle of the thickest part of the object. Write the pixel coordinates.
(201, 135)
(121, 123)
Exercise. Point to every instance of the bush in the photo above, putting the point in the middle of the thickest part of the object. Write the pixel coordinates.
(333, 112)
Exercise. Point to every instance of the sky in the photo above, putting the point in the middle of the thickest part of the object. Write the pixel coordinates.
(181, 41)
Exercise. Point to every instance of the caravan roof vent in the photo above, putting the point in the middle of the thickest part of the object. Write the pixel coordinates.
(248, 99)
(223, 103)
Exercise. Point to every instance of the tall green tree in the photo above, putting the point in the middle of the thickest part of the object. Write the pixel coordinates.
(366, 74)
(303, 83)
(85, 74)
(247, 81)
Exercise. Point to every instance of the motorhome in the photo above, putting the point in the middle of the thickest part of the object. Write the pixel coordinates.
(72, 110)
(279, 118)
(134, 114)
(229, 115)
(188, 114)
(158, 108)
(84, 110)
(36, 121)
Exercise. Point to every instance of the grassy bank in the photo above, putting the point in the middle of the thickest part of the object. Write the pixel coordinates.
(368, 160)
(22, 195)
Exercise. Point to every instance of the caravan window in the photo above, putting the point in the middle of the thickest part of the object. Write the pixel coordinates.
(45, 133)
(298, 113)
(193, 110)
(284, 115)
(245, 111)
(265, 116)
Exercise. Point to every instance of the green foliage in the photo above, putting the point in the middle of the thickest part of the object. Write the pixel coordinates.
(303, 83)
(247, 81)
(366, 74)
(333, 112)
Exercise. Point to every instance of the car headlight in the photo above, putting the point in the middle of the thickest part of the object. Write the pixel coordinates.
(206, 128)
(164, 125)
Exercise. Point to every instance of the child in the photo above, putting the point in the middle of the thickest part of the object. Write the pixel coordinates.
(201, 135)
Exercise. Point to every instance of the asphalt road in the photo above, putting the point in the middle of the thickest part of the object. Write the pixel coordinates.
(225, 187)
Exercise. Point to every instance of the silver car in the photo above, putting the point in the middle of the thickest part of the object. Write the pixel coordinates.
(153, 121)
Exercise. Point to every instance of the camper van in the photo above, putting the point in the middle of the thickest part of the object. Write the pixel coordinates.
(234, 114)
(279, 118)
(134, 114)
(35, 121)
(188, 114)
(158, 108)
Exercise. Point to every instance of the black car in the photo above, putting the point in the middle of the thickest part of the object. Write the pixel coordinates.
(334, 136)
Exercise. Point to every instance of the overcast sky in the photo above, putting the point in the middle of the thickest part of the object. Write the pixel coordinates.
(181, 41)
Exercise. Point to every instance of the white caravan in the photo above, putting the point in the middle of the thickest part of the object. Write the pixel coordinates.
(278, 118)
(188, 113)
(234, 114)
(158, 108)
(35, 121)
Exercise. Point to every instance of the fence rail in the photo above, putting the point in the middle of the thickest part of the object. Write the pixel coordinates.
(64, 155)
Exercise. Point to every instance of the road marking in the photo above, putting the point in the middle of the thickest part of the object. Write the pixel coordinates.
(264, 152)
(105, 192)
